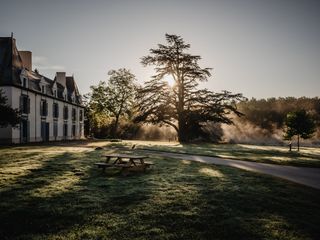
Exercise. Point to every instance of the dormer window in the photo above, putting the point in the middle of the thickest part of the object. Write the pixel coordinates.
(42, 85)
(73, 97)
(65, 94)
(24, 78)
(54, 89)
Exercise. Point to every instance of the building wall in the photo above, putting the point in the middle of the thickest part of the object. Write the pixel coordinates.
(12, 135)
(15, 103)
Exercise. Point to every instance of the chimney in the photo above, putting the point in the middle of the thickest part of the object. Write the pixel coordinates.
(26, 57)
(61, 78)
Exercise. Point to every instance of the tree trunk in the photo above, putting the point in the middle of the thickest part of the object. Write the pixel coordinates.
(182, 133)
(298, 142)
(115, 128)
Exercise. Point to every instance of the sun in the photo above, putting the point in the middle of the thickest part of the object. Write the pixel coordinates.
(169, 79)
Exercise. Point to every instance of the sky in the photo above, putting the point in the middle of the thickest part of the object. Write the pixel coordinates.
(261, 48)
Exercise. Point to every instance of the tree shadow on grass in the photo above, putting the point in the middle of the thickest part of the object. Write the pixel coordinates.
(253, 206)
(29, 210)
(21, 206)
(175, 200)
(188, 201)
(7, 158)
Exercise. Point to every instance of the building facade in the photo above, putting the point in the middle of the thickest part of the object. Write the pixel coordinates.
(51, 110)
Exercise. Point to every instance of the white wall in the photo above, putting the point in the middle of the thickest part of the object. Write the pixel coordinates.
(34, 117)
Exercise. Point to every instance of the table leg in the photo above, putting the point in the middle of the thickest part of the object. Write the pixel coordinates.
(132, 162)
(118, 160)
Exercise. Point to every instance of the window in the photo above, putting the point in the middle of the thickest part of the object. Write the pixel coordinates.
(45, 130)
(55, 93)
(81, 130)
(55, 129)
(74, 114)
(24, 130)
(65, 113)
(43, 108)
(25, 104)
(81, 115)
(42, 89)
(55, 110)
(65, 130)
(24, 84)
(73, 130)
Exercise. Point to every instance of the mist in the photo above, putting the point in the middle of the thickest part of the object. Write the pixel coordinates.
(242, 131)
(153, 132)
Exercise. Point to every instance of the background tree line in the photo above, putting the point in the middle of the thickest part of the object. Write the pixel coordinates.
(270, 113)
(275, 118)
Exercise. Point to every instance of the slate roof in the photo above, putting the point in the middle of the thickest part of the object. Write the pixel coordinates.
(11, 68)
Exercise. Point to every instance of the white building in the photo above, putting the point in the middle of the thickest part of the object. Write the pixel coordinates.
(51, 110)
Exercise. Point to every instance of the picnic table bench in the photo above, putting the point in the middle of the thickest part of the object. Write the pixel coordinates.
(125, 162)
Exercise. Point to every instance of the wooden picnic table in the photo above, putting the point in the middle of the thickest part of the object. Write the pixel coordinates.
(120, 158)
(127, 162)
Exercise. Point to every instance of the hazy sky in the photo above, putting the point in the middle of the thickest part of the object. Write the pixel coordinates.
(261, 48)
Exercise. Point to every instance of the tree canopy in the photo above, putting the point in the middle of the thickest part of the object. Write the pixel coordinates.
(182, 106)
(299, 123)
(8, 115)
(108, 102)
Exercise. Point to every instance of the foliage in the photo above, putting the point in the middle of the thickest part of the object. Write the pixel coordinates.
(8, 115)
(270, 113)
(120, 95)
(110, 105)
(300, 124)
(183, 106)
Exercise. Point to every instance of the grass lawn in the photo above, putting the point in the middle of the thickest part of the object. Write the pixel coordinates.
(307, 157)
(55, 192)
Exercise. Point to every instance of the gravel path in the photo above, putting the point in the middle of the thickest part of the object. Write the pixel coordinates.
(303, 175)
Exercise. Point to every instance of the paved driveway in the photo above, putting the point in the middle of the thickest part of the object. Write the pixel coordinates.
(303, 175)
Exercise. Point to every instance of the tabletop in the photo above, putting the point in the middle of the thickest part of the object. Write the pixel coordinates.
(125, 156)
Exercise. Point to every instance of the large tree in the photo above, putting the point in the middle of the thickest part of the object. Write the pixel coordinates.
(182, 106)
(8, 115)
(111, 101)
(299, 123)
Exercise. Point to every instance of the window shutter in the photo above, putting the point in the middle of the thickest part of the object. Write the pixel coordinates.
(28, 105)
(57, 106)
(21, 130)
(46, 108)
(21, 104)
(28, 130)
